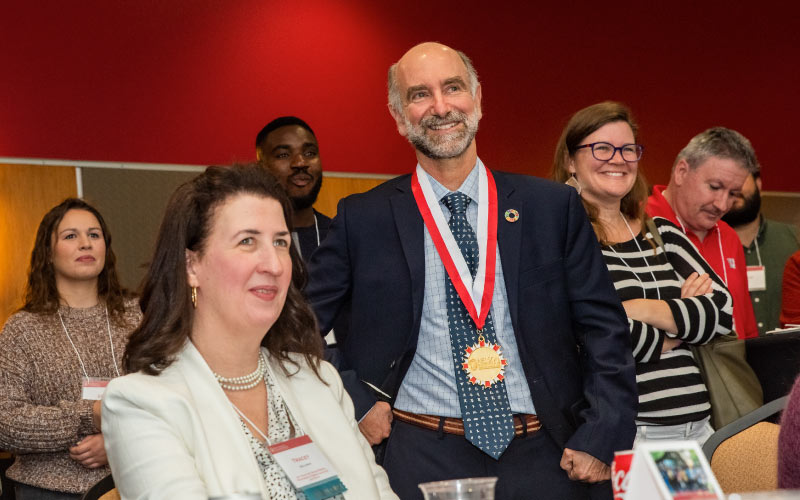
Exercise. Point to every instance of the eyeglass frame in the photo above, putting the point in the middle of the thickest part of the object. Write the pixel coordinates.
(614, 152)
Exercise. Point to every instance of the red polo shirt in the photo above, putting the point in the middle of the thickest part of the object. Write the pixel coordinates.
(735, 268)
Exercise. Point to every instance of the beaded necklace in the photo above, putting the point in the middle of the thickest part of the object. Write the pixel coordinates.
(245, 381)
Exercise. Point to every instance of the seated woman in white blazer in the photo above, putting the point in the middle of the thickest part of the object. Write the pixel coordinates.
(227, 359)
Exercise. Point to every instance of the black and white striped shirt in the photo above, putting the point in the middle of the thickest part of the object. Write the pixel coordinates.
(671, 389)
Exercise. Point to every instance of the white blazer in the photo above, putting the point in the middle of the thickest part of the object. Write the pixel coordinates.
(176, 435)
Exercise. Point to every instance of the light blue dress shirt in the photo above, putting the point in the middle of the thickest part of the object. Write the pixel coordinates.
(429, 386)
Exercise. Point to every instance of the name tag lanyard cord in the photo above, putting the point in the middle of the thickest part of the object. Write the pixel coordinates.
(292, 423)
(758, 253)
(296, 238)
(635, 274)
(110, 341)
(292, 433)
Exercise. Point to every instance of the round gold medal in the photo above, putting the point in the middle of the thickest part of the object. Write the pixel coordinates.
(484, 363)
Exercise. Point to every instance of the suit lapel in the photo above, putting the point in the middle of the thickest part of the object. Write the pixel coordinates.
(409, 224)
(509, 239)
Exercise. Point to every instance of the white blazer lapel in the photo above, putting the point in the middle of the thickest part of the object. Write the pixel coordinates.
(226, 442)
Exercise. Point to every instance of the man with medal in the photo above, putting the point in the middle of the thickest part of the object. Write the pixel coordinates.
(486, 337)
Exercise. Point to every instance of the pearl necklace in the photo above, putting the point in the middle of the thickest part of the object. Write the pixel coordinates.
(245, 381)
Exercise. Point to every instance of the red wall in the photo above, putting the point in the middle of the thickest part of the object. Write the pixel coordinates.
(190, 81)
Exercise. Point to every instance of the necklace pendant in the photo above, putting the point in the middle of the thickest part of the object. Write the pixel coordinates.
(484, 363)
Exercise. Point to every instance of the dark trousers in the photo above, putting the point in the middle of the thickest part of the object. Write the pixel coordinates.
(25, 492)
(528, 470)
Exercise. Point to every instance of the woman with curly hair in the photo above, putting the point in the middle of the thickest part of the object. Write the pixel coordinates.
(228, 358)
(57, 351)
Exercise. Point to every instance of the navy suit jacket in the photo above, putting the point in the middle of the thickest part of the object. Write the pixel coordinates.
(571, 330)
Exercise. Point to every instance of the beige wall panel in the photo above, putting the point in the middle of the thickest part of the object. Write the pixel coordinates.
(27, 192)
(336, 188)
(132, 203)
(784, 207)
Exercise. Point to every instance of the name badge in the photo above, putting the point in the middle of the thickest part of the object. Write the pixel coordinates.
(94, 387)
(307, 468)
(756, 278)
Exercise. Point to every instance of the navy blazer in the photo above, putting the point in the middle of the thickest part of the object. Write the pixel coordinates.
(571, 330)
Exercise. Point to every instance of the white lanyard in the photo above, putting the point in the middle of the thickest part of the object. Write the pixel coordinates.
(110, 341)
(758, 254)
(254, 426)
(296, 238)
(658, 290)
(721, 253)
(292, 422)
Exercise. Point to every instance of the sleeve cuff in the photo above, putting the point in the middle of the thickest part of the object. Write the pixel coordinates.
(85, 413)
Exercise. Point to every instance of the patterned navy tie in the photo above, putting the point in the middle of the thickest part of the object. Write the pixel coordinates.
(488, 423)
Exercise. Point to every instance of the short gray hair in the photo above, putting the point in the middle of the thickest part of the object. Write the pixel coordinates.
(723, 143)
(396, 100)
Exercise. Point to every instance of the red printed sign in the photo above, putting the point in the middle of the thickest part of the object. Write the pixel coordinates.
(619, 473)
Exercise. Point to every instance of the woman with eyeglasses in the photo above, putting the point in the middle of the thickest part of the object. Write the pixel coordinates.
(58, 351)
(670, 294)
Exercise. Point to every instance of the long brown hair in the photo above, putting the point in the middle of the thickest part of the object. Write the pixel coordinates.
(582, 124)
(165, 298)
(41, 293)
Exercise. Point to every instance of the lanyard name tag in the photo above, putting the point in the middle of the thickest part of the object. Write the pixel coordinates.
(756, 278)
(94, 387)
(307, 468)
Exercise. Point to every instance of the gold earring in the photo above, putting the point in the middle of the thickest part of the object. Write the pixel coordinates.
(194, 297)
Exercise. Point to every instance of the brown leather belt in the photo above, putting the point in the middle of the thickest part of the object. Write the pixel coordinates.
(523, 424)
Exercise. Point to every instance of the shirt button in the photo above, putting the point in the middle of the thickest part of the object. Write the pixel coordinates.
(760, 324)
(756, 299)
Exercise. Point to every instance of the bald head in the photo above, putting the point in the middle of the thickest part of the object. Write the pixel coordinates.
(430, 54)
(435, 100)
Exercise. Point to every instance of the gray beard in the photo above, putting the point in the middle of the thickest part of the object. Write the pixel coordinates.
(450, 145)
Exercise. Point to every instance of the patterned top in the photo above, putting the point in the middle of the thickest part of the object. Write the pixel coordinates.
(43, 413)
(671, 389)
(282, 427)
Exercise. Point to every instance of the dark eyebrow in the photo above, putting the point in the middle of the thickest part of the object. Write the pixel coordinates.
(246, 231)
(76, 229)
(280, 146)
(412, 90)
(282, 233)
(455, 79)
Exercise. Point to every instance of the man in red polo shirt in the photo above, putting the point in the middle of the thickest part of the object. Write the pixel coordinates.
(706, 177)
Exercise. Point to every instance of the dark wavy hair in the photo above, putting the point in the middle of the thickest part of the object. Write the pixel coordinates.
(165, 296)
(582, 124)
(41, 293)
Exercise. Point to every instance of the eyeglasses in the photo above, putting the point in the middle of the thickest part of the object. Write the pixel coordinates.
(603, 151)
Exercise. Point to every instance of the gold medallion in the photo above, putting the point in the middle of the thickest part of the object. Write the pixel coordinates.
(484, 363)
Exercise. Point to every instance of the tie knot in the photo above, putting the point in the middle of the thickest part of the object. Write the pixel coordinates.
(456, 202)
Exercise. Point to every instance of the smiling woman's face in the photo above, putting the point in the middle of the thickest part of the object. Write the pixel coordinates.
(605, 182)
(243, 273)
